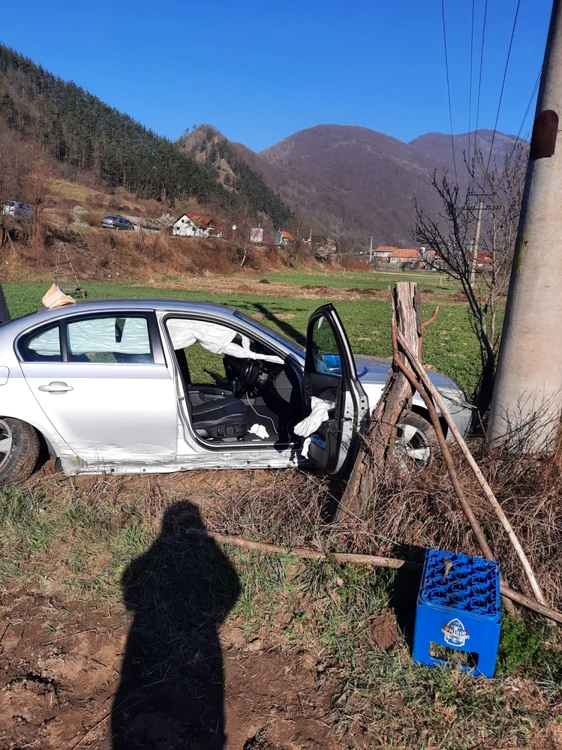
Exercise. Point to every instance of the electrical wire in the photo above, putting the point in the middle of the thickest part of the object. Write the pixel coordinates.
(529, 105)
(480, 73)
(503, 84)
(448, 87)
(470, 80)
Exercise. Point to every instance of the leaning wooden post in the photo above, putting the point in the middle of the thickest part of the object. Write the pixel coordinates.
(378, 439)
(434, 393)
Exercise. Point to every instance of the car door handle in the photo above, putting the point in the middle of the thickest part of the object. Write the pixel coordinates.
(57, 386)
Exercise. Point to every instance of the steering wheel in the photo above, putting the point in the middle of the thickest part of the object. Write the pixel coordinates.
(249, 373)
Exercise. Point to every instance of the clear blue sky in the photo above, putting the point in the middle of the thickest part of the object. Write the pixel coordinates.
(259, 71)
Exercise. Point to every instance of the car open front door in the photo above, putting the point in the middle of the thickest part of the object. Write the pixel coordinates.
(330, 382)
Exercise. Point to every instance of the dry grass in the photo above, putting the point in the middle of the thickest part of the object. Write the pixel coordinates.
(99, 254)
(78, 538)
(413, 510)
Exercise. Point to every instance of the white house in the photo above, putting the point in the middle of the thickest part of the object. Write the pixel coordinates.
(186, 227)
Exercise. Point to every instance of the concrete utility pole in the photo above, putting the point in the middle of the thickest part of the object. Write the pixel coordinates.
(476, 243)
(371, 250)
(527, 398)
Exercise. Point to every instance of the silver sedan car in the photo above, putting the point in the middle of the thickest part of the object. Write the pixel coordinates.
(117, 222)
(163, 386)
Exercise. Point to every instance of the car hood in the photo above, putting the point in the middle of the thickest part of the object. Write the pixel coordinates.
(374, 370)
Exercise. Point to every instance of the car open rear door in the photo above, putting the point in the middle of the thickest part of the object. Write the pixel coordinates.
(330, 382)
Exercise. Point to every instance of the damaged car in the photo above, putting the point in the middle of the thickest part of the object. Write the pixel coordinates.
(139, 386)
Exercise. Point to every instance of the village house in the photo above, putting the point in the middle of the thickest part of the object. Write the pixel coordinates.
(484, 259)
(196, 225)
(286, 238)
(383, 252)
(406, 255)
(396, 255)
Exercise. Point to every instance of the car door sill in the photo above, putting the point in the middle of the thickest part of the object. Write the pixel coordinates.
(273, 459)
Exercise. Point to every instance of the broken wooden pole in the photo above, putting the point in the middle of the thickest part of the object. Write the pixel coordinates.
(374, 561)
(378, 441)
(436, 396)
(447, 457)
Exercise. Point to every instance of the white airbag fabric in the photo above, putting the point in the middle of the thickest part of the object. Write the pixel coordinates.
(319, 409)
(215, 338)
(259, 430)
(104, 335)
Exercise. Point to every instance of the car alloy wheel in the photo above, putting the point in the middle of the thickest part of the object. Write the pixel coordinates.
(6, 442)
(415, 441)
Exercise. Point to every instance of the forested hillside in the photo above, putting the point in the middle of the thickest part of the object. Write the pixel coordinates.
(78, 129)
(211, 149)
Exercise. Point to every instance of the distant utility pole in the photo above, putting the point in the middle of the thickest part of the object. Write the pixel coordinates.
(371, 250)
(527, 398)
(476, 243)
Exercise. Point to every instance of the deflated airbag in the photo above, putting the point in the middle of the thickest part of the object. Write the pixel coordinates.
(215, 338)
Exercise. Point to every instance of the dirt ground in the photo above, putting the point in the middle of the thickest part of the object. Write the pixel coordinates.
(255, 285)
(60, 671)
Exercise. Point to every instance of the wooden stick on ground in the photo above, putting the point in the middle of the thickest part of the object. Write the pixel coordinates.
(345, 557)
(430, 388)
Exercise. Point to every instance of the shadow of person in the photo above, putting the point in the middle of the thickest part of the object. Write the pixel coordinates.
(171, 693)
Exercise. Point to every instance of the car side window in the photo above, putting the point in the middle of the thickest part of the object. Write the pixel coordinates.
(109, 340)
(42, 347)
(325, 353)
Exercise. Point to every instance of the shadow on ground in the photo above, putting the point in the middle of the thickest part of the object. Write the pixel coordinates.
(404, 596)
(171, 693)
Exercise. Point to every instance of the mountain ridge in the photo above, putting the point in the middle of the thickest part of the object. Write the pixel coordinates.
(346, 181)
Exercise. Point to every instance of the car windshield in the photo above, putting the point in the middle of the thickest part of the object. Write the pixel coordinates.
(290, 343)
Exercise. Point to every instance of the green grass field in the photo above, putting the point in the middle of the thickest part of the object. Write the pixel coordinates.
(450, 346)
(428, 281)
(74, 540)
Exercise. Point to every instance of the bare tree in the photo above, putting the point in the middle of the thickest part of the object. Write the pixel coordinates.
(451, 237)
(14, 169)
(36, 186)
(297, 225)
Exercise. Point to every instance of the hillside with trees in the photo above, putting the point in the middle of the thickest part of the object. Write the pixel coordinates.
(211, 149)
(76, 129)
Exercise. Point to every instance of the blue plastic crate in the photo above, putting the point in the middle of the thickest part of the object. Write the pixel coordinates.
(459, 607)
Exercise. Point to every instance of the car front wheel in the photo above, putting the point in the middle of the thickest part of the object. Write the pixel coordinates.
(19, 450)
(416, 441)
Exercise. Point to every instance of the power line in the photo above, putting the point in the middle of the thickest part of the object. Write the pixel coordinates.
(480, 72)
(503, 84)
(529, 104)
(470, 80)
(448, 87)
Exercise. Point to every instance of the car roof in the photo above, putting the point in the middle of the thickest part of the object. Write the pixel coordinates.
(118, 305)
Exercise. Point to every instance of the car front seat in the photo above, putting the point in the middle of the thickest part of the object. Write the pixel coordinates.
(221, 418)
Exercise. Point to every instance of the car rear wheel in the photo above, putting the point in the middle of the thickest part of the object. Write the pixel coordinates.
(19, 450)
(416, 441)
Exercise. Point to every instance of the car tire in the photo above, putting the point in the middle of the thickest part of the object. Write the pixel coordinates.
(416, 440)
(21, 441)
